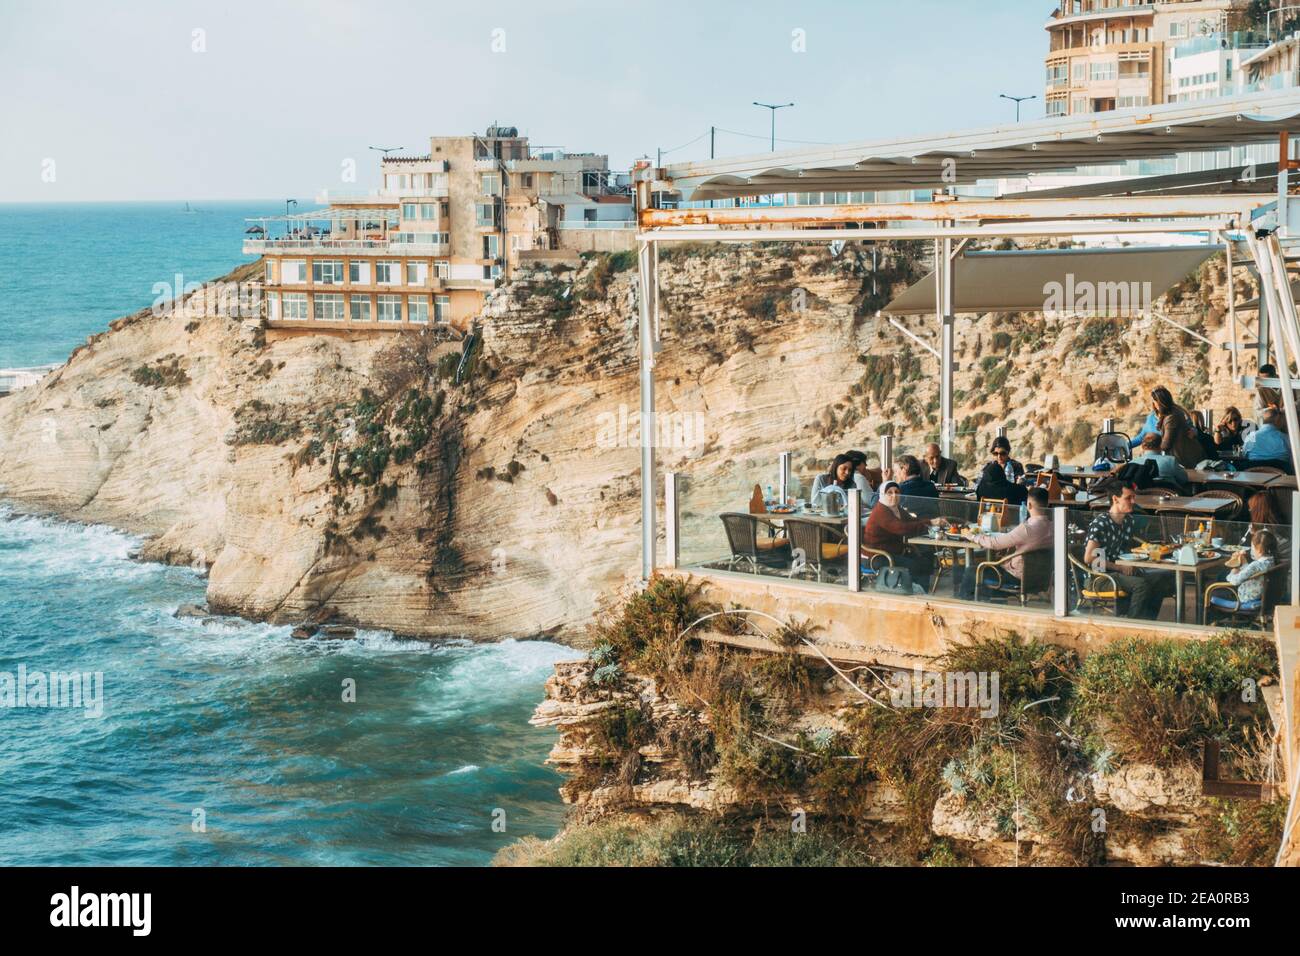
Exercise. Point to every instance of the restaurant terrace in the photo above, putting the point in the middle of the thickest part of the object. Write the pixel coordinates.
(794, 555)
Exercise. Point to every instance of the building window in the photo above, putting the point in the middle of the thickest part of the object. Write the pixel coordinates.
(417, 273)
(273, 305)
(360, 305)
(428, 210)
(409, 210)
(1102, 71)
(441, 309)
(387, 273)
(293, 272)
(327, 272)
(491, 246)
(417, 309)
(390, 308)
(490, 184)
(528, 180)
(358, 272)
(270, 272)
(295, 305)
(327, 307)
(442, 268)
(485, 214)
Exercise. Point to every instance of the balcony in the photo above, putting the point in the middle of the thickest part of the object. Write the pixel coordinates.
(1125, 10)
(318, 244)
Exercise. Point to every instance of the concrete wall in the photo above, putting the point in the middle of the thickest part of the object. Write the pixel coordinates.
(597, 240)
(907, 632)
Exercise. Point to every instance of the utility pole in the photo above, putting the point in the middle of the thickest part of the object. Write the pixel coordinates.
(1017, 100)
(773, 107)
(713, 131)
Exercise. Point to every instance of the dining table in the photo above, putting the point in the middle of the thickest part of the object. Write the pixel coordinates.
(954, 543)
(1246, 478)
(1203, 564)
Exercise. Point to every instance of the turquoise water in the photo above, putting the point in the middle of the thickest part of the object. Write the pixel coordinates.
(70, 268)
(227, 717)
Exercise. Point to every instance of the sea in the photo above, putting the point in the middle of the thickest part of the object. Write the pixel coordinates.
(219, 741)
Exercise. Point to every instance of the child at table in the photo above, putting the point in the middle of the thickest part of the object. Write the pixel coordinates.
(1249, 579)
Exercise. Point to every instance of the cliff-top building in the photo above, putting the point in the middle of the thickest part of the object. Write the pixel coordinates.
(438, 235)
(1116, 54)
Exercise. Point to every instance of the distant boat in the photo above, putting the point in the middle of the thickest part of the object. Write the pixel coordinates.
(192, 211)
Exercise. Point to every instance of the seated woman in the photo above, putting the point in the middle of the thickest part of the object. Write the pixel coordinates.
(1250, 578)
(1230, 433)
(843, 474)
(1000, 478)
(888, 529)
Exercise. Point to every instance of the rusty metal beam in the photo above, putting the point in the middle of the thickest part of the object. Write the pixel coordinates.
(1212, 786)
(974, 230)
(979, 210)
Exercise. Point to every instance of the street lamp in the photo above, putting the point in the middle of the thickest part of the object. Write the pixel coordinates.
(773, 107)
(386, 149)
(1017, 100)
(288, 203)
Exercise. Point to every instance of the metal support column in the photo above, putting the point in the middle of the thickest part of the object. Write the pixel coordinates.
(1275, 288)
(672, 521)
(1060, 566)
(783, 478)
(943, 305)
(1232, 310)
(646, 321)
(886, 452)
(854, 530)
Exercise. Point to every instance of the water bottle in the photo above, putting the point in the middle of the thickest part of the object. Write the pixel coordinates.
(1024, 513)
(769, 499)
(1011, 472)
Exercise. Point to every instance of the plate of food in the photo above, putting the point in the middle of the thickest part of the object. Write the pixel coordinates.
(781, 510)
(1208, 555)
(1130, 556)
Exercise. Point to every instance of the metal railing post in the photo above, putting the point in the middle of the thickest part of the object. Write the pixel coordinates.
(1295, 547)
(855, 539)
(672, 520)
(1107, 425)
(783, 480)
(886, 451)
(1002, 431)
(1207, 419)
(1060, 566)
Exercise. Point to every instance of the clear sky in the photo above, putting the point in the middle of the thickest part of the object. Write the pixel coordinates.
(180, 99)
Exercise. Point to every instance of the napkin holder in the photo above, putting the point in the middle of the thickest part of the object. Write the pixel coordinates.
(989, 522)
(1185, 555)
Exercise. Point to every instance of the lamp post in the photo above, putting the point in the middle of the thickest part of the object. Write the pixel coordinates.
(773, 107)
(1017, 100)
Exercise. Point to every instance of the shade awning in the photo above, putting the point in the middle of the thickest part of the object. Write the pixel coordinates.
(1065, 280)
(934, 162)
(567, 199)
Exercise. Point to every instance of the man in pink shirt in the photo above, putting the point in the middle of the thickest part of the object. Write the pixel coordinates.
(1033, 534)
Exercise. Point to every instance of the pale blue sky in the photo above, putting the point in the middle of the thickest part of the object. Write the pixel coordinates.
(286, 90)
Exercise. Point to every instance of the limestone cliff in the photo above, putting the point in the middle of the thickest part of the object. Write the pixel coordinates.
(313, 474)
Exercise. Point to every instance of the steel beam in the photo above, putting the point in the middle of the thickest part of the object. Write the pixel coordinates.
(960, 230)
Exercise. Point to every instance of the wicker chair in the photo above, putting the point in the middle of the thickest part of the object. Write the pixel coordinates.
(1037, 578)
(748, 546)
(820, 544)
(1223, 601)
(1094, 589)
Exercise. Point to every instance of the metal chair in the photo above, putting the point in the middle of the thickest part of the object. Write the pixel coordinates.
(1094, 588)
(1037, 576)
(746, 544)
(1222, 599)
(819, 544)
(1113, 446)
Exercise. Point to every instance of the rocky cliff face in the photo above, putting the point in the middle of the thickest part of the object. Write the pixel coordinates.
(317, 475)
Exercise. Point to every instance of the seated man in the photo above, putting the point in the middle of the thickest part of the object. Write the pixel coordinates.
(940, 470)
(1268, 444)
(914, 488)
(1167, 466)
(1034, 534)
(1112, 531)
